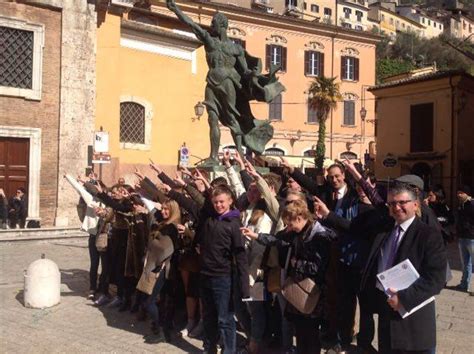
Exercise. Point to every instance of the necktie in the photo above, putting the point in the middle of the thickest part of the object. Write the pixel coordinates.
(392, 246)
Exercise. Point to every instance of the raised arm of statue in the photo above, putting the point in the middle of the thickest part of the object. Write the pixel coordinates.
(202, 34)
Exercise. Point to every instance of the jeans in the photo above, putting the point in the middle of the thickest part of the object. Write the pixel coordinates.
(466, 248)
(97, 257)
(150, 303)
(218, 316)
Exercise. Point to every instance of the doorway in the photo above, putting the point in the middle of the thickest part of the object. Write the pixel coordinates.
(14, 164)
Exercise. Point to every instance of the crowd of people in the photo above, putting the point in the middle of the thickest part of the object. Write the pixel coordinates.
(13, 210)
(277, 256)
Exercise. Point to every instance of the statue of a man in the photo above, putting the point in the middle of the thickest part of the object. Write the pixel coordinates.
(234, 78)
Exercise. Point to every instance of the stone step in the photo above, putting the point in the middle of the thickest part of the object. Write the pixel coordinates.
(41, 234)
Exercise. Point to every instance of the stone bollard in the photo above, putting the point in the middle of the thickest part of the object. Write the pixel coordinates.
(42, 284)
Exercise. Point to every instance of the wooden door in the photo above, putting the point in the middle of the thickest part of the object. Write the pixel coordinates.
(14, 159)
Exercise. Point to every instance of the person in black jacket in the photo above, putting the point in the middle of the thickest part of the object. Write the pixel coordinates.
(409, 238)
(465, 234)
(304, 251)
(219, 242)
(3, 209)
(17, 209)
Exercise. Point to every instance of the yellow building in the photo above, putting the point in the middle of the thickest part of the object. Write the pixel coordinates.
(353, 14)
(159, 66)
(424, 125)
(388, 22)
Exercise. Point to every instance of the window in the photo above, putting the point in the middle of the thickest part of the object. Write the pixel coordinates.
(21, 57)
(421, 127)
(349, 113)
(422, 20)
(327, 11)
(238, 41)
(274, 111)
(313, 63)
(314, 8)
(359, 15)
(347, 12)
(429, 22)
(275, 55)
(312, 115)
(349, 68)
(359, 28)
(274, 152)
(391, 21)
(383, 17)
(434, 24)
(305, 6)
(346, 25)
(132, 123)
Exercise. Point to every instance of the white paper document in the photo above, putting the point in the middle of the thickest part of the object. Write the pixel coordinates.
(401, 277)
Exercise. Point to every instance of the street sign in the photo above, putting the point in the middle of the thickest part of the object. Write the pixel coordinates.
(101, 142)
(390, 161)
(183, 156)
(100, 158)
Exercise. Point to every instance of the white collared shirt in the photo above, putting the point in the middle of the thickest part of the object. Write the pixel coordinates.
(382, 256)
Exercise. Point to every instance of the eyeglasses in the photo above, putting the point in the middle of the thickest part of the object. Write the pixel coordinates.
(399, 202)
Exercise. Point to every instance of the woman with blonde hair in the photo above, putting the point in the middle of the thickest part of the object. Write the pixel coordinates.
(304, 245)
(162, 244)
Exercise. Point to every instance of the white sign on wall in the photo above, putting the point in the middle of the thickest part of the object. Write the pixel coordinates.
(101, 142)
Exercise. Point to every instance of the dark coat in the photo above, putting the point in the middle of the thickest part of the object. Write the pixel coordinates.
(423, 246)
(465, 221)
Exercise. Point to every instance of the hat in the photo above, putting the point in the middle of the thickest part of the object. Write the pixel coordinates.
(159, 249)
(412, 180)
(464, 188)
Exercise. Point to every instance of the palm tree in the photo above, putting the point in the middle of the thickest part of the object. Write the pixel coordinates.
(323, 96)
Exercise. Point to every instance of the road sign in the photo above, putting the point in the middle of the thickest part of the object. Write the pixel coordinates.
(183, 156)
(100, 158)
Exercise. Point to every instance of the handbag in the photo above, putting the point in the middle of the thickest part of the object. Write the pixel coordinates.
(101, 241)
(147, 282)
(302, 294)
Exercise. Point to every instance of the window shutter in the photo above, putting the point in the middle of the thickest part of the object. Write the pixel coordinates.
(352, 113)
(356, 69)
(268, 56)
(283, 58)
(321, 64)
(306, 62)
(346, 113)
(343, 68)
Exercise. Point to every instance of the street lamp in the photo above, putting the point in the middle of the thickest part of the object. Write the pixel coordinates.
(198, 110)
(363, 113)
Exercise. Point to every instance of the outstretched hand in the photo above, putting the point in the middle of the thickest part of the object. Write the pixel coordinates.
(286, 164)
(239, 160)
(320, 208)
(179, 181)
(226, 158)
(251, 169)
(155, 167)
(139, 175)
(249, 233)
(171, 4)
(350, 167)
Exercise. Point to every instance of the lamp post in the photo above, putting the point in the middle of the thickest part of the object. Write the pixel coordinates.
(198, 111)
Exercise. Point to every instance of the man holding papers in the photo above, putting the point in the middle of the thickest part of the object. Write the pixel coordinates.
(409, 239)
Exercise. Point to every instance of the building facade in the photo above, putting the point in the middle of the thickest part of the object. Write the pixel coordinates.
(47, 102)
(389, 22)
(425, 123)
(353, 14)
(150, 70)
(433, 27)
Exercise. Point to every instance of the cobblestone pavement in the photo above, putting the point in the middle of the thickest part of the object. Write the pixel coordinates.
(75, 326)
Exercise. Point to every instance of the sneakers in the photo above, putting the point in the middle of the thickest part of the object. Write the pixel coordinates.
(197, 331)
(116, 301)
(102, 300)
(189, 327)
(91, 295)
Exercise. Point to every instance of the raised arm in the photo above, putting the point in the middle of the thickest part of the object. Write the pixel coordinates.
(202, 34)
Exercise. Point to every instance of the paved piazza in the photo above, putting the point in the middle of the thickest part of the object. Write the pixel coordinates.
(75, 326)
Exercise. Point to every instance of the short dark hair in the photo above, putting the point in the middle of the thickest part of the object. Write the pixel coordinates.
(22, 190)
(400, 188)
(339, 166)
(219, 181)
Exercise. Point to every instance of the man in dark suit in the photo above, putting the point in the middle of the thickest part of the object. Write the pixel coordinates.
(409, 238)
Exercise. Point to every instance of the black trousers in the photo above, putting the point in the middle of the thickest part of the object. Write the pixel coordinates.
(97, 258)
(307, 334)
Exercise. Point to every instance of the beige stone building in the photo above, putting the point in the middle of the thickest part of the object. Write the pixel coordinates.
(460, 26)
(353, 14)
(424, 123)
(47, 102)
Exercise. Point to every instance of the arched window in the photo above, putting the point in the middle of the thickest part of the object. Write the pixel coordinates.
(135, 123)
(349, 155)
(132, 123)
(274, 152)
(309, 153)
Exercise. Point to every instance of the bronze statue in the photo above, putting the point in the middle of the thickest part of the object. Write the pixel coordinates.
(234, 78)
